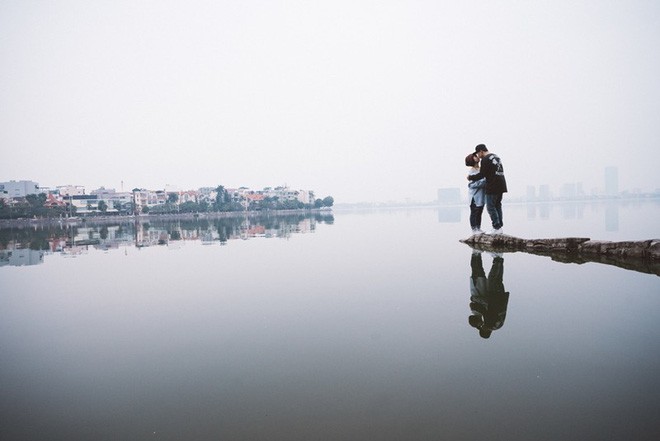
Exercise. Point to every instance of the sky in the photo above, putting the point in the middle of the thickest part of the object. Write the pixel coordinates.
(361, 100)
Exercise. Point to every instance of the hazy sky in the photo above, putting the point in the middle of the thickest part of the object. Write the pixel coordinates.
(361, 100)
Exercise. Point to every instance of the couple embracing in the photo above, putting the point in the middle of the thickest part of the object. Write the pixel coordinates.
(487, 185)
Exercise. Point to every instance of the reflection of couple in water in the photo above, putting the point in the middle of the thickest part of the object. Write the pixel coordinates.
(488, 300)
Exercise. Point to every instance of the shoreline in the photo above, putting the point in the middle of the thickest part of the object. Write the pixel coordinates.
(36, 222)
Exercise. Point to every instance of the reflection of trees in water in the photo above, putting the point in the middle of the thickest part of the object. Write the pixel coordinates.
(34, 238)
(227, 228)
(219, 229)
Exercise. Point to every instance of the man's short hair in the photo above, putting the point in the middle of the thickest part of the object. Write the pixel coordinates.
(480, 148)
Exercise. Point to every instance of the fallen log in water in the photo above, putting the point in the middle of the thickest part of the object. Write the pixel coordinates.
(642, 256)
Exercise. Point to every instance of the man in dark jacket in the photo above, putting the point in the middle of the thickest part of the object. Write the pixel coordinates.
(493, 171)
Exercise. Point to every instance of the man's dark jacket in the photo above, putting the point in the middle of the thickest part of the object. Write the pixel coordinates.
(493, 170)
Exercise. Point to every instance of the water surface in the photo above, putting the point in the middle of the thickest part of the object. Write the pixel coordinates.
(354, 326)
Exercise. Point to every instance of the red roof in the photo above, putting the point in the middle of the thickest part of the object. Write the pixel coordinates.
(255, 197)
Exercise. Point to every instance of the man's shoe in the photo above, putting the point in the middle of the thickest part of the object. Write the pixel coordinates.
(477, 231)
(495, 231)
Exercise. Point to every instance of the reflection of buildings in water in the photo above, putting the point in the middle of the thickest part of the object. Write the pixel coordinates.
(57, 244)
(146, 236)
(449, 215)
(107, 246)
(188, 235)
(21, 257)
(575, 211)
(103, 237)
(72, 241)
(256, 231)
(541, 210)
(488, 299)
(304, 226)
(206, 237)
(572, 211)
(279, 229)
(612, 217)
(531, 211)
(75, 250)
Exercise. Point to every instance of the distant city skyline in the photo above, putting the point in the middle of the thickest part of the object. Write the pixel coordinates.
(568, 190)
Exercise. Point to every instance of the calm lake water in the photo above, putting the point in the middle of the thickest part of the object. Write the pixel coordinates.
(352, 326)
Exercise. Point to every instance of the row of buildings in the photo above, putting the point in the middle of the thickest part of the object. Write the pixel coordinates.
(109, 201)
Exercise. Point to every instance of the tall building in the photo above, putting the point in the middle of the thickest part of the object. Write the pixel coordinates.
(531, 193)
(611, 181)
(449, 196)
(18, 189)
(568, 191)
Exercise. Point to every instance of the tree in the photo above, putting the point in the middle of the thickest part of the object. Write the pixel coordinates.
(328, 201)
(221, 198)
(189, 207)
(172, 198)
(36, 201)
(103, 206)
(223, 201)
(269, 202)
(34, 205)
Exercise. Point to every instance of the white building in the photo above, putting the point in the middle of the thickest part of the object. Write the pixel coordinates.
(207, 194)
(18, 189)
(305, 196)
(84, 203)
(21, 257)
(148, 198)
(113, 199)
(71, 190)
(287, 194)
(188, 196)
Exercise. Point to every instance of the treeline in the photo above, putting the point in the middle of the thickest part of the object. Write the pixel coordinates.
(205, 207)
(33, 205)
